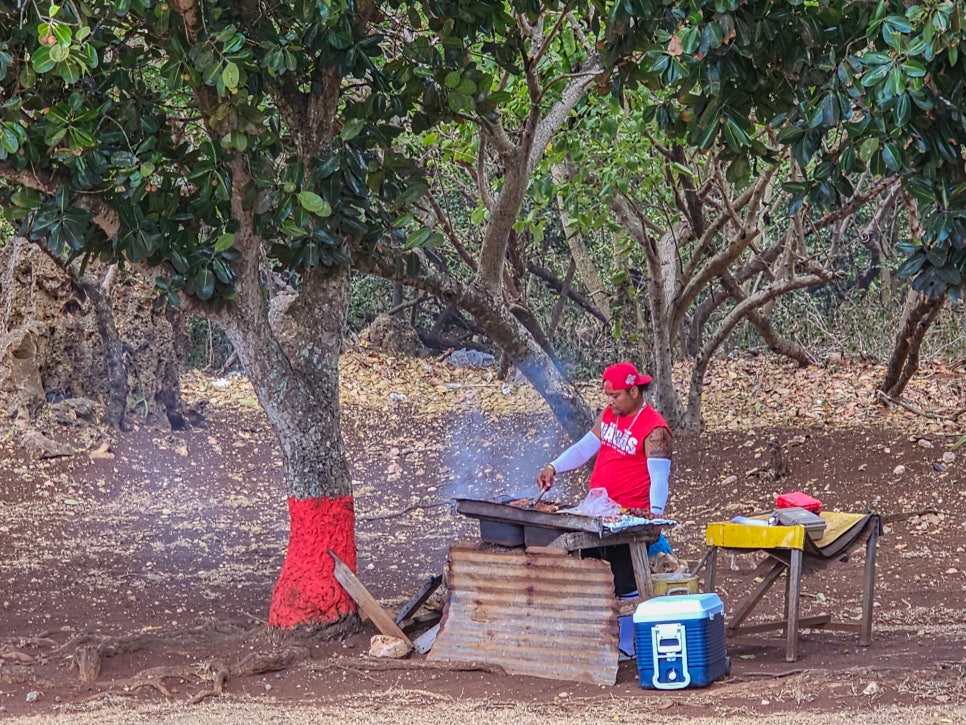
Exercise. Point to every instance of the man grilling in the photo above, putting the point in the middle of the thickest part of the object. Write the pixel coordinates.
(633, 447)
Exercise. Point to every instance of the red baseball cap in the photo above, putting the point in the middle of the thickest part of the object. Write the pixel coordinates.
(622, 376)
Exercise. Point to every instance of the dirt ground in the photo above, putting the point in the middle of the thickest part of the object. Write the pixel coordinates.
(164, 553)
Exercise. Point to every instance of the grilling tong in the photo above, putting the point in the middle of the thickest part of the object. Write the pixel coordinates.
(537, 499)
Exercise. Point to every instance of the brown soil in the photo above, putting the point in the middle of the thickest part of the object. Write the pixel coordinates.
(166, 554)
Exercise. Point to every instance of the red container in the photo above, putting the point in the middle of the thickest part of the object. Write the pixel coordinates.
(790, 500)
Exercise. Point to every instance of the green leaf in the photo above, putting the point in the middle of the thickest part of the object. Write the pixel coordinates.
(62, 32)
(466, 86)
(892, 156)
(352, 128)
(423, 238)
(8, 140)
(230, 76)
(70, 72)
(902, 110)
(179, 262)
(329, 166)
(123, 159)
(908, 247)
(204, 284)
(224, 242)
(59, 53)
(937, 257)
(452, 79)
(875, 75)
(41, 60)
(913, 68)
(234, 43)
(912, 265)
(898, 23)
(314, 204)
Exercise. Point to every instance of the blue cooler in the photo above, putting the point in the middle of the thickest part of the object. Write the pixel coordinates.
(680, 641)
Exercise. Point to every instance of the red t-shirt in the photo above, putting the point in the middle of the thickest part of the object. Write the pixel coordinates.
(621, 466)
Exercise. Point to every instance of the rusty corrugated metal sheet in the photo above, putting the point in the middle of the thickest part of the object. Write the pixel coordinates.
(537, 612)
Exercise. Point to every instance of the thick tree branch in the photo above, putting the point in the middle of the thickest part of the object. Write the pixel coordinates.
(718, 263)
(755, 301)
(553, 121)
(775, 342)
(102, 214)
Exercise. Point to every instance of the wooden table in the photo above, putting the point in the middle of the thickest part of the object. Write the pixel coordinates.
(788, 550)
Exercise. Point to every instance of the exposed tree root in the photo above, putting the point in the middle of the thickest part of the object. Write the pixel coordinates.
(378, 664)
(87, 651)
(15, 655)
(41, 640)
(786, 673)
(155, 677)
(256, 663)
(17, 675)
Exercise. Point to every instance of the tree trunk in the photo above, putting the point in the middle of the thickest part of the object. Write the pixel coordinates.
(918, 315)
(294, 371)
(116, 405)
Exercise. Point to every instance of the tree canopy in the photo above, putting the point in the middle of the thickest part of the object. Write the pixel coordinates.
(846, 86)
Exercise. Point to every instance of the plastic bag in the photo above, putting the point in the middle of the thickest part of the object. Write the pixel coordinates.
(597, 503)
(464, 358)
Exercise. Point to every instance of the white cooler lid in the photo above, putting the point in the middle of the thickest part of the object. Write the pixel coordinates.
(690, 606)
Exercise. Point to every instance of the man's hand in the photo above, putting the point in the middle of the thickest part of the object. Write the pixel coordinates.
(545, 477)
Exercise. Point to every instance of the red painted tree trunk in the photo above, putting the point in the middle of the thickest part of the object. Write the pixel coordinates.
(292, 360)
(307, 592)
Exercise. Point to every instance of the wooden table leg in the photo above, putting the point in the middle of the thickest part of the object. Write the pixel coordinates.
(792, 605)
(642, 569)
(865, 630)
(711, 569)
(770, 570)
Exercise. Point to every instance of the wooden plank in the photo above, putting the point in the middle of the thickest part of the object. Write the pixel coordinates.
(712, 570)
(420, 620)
(748, 604)
(357, 590)
(792, 605)
(642, 569)
(868, 585)
(819, 621)
(419, 599)
(577, 540)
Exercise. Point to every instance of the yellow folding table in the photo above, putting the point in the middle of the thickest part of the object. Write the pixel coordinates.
(788, 548)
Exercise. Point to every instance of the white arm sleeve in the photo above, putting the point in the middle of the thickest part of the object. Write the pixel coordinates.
(659, 470)
(578, 454)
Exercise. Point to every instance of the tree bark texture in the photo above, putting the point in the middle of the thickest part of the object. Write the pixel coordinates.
(292, 360)
(116, 405)
(295, 377)
(918, 314)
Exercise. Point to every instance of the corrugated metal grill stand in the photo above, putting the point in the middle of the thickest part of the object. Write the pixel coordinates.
(523, 598)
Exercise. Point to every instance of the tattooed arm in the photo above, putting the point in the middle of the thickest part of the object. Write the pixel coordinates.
(657, 448)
